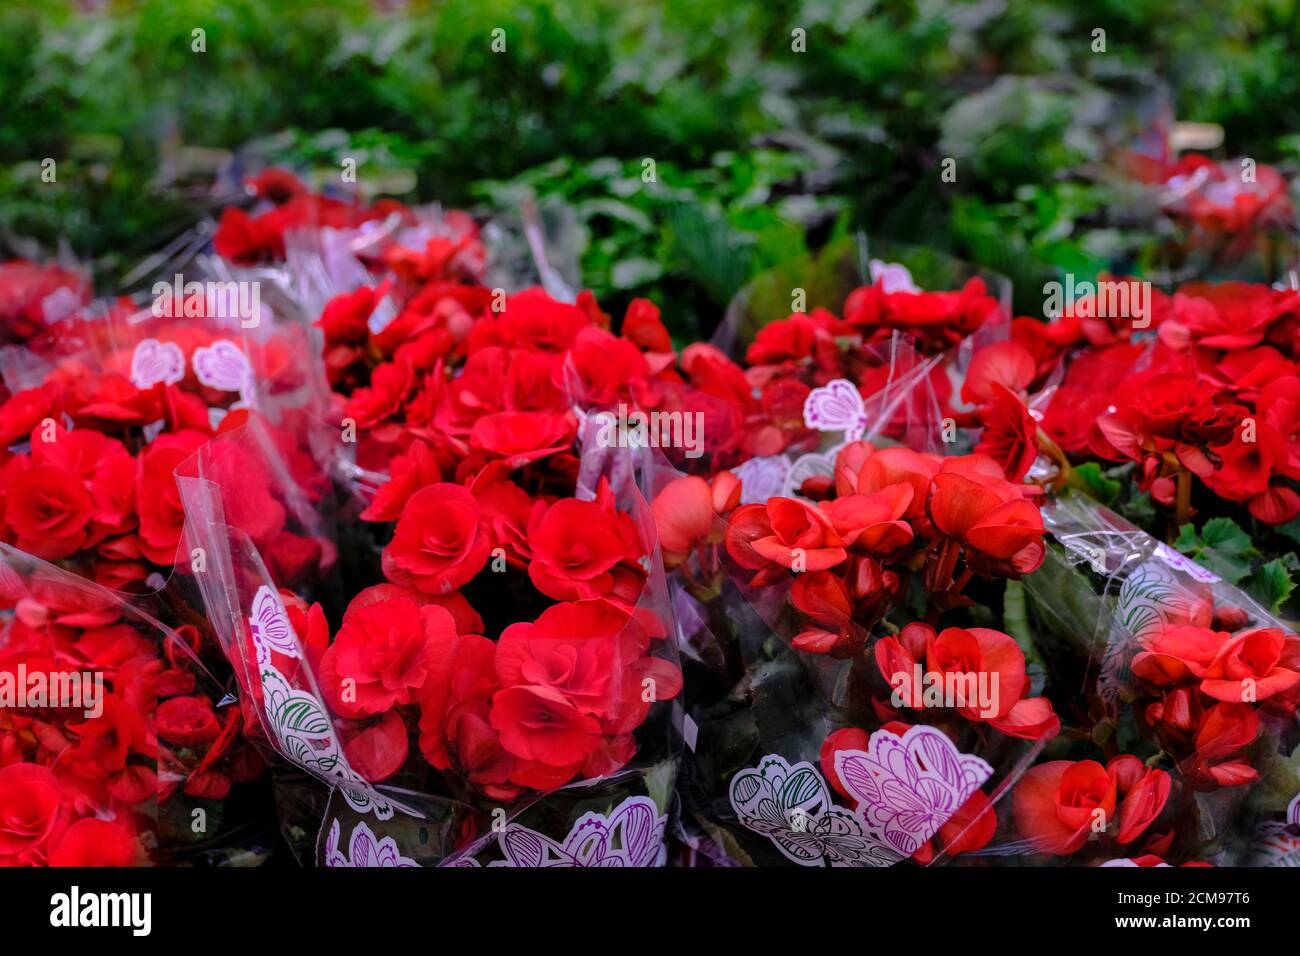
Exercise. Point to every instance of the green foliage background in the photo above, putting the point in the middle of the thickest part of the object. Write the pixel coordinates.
(761, 151)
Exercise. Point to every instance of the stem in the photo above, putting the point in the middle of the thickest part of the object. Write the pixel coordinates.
(1054, 452)
(1183, 499)
(938, 573)
(963, 579)
(691, 580)
(702, 556)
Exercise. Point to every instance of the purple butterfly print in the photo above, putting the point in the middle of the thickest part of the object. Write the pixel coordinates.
(891, 276)
(222, 365)
(631, 836)
(910, 786)
(791, 806)
(364, 850)
(153, 362)
(836, 407)
(270, 625)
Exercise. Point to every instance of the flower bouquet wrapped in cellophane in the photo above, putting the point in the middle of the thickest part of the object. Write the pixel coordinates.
(1174, 676)
(852, 695)
(1187, 689)
(535, 732)
(93, 434)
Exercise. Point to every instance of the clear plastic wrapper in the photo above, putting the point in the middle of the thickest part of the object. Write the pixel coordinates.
(399, 271)
(459, 413)
(855, 262)
(37, 296)
(905, 325)
(1187, 207)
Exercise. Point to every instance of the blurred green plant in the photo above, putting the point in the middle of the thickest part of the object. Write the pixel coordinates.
(689, 239)
(767, 121)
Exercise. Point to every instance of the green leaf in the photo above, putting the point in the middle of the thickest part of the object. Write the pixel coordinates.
(1139, 509)
(1291, 530)
(1271, 585)
(659, 781)
(631, 273)
(1015, 617)
(1221, 546)
(1089, 478)
(1278, 782)
(614, 209)
(1128, 737)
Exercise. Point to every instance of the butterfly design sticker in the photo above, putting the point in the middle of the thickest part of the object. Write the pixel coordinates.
(632, 835)
(224, 366)
(270, 626)
(891, 276)
(153, 362)
(763, 478)
(791, 806)
(364, 850)
(903, 789)
(836, 407)
(910, 786)
(300, 724)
